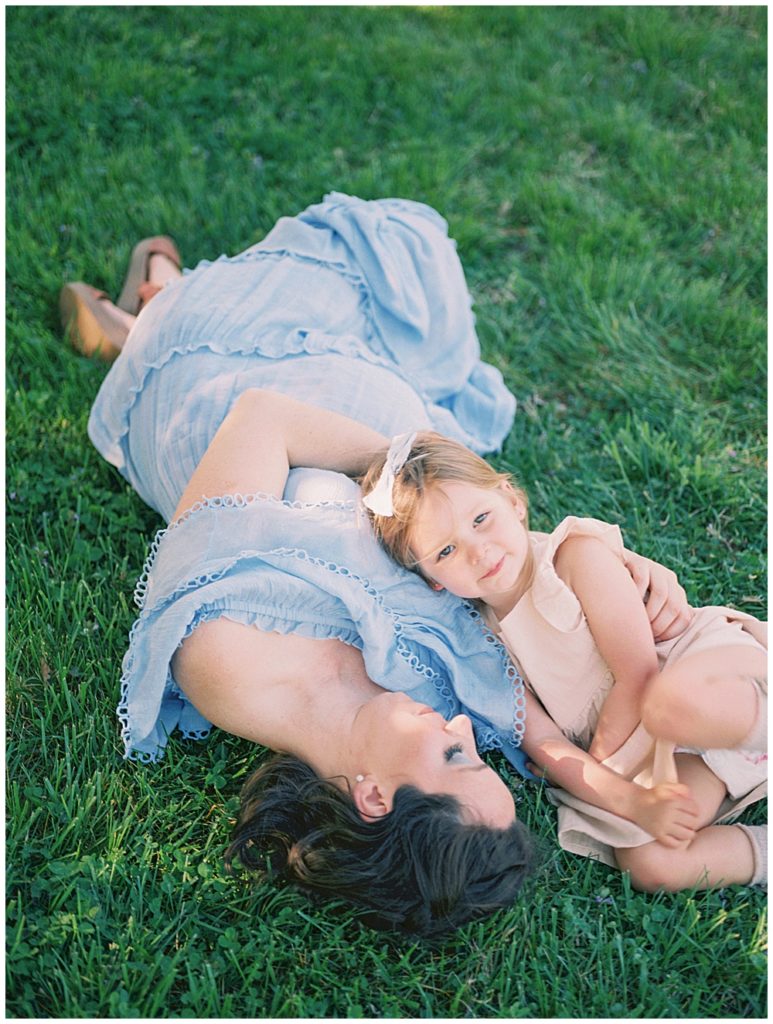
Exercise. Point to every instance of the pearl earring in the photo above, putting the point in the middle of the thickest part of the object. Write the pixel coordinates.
(359, 778)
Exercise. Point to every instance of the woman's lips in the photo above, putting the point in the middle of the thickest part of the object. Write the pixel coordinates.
(493, 570)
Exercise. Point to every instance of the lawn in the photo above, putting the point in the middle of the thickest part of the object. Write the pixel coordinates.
(603, 170)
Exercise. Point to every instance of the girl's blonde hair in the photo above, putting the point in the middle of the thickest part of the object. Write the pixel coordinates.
(433, 460)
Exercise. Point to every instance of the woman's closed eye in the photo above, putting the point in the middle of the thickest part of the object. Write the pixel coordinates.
(453, 751)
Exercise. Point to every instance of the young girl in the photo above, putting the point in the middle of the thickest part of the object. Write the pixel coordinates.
(653, 744)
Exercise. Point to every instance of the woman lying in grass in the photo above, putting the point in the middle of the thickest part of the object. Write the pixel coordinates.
(605, 704)
(276, 619)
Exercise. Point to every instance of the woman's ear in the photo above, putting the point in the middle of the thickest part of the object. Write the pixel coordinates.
(369, 800)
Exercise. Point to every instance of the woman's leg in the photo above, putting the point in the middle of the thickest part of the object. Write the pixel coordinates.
(92, 323)
(97, 326)
(161, 270)
(710, 700)
(142, 279)
(717, 855)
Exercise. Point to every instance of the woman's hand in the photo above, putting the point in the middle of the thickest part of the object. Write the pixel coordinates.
(664, 597)
(668, 812)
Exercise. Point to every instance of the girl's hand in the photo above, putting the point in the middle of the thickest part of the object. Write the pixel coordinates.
(664, 597)
(667, 812)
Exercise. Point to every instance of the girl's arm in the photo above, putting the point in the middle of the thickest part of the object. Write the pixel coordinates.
(619, 624)
(664, 597)
(666, 811)
(265, 434)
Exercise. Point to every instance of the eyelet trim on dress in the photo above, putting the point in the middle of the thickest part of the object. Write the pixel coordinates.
(490, 738)
(373, 338)
(239, 501)
(346, 345)
(236, 500)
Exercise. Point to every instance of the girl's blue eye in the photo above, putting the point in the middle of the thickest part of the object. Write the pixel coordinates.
(444, 552)
(451, 752)
(481, 518)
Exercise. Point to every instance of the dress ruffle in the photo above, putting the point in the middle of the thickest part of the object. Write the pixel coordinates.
(358, 307)
(315, 570)
(377, 284)
(549, 635)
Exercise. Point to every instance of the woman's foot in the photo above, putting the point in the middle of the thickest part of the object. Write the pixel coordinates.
(154, 261)
(92, 323)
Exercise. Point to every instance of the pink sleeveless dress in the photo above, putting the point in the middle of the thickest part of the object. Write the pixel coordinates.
(548, 637)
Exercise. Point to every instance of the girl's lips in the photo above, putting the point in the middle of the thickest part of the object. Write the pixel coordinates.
(494, 569)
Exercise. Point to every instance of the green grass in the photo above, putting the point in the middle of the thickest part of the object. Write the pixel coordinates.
(604, 173)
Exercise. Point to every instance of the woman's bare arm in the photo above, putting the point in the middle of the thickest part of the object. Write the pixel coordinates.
(265, 434)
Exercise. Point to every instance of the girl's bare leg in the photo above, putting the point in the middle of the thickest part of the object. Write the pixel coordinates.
(709, 700)
(718, 854)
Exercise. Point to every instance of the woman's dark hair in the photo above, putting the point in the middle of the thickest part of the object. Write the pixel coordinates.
(419, 869)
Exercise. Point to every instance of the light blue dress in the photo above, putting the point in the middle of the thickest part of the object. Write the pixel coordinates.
(357, 306)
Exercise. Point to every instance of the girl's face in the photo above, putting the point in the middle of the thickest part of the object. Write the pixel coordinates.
(473, 542)
(398, 742)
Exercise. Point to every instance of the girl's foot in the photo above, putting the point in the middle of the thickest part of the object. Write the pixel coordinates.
(154, 261)
(92, 323)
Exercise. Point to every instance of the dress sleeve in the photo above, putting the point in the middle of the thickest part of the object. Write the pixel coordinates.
(554, 600)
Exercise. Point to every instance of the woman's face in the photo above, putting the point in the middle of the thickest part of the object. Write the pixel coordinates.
(399, 742)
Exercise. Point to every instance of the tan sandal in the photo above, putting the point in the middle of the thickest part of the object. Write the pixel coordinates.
(87, 322)
(133, 296)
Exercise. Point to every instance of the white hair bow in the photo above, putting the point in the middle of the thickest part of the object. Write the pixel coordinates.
(380, 498)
